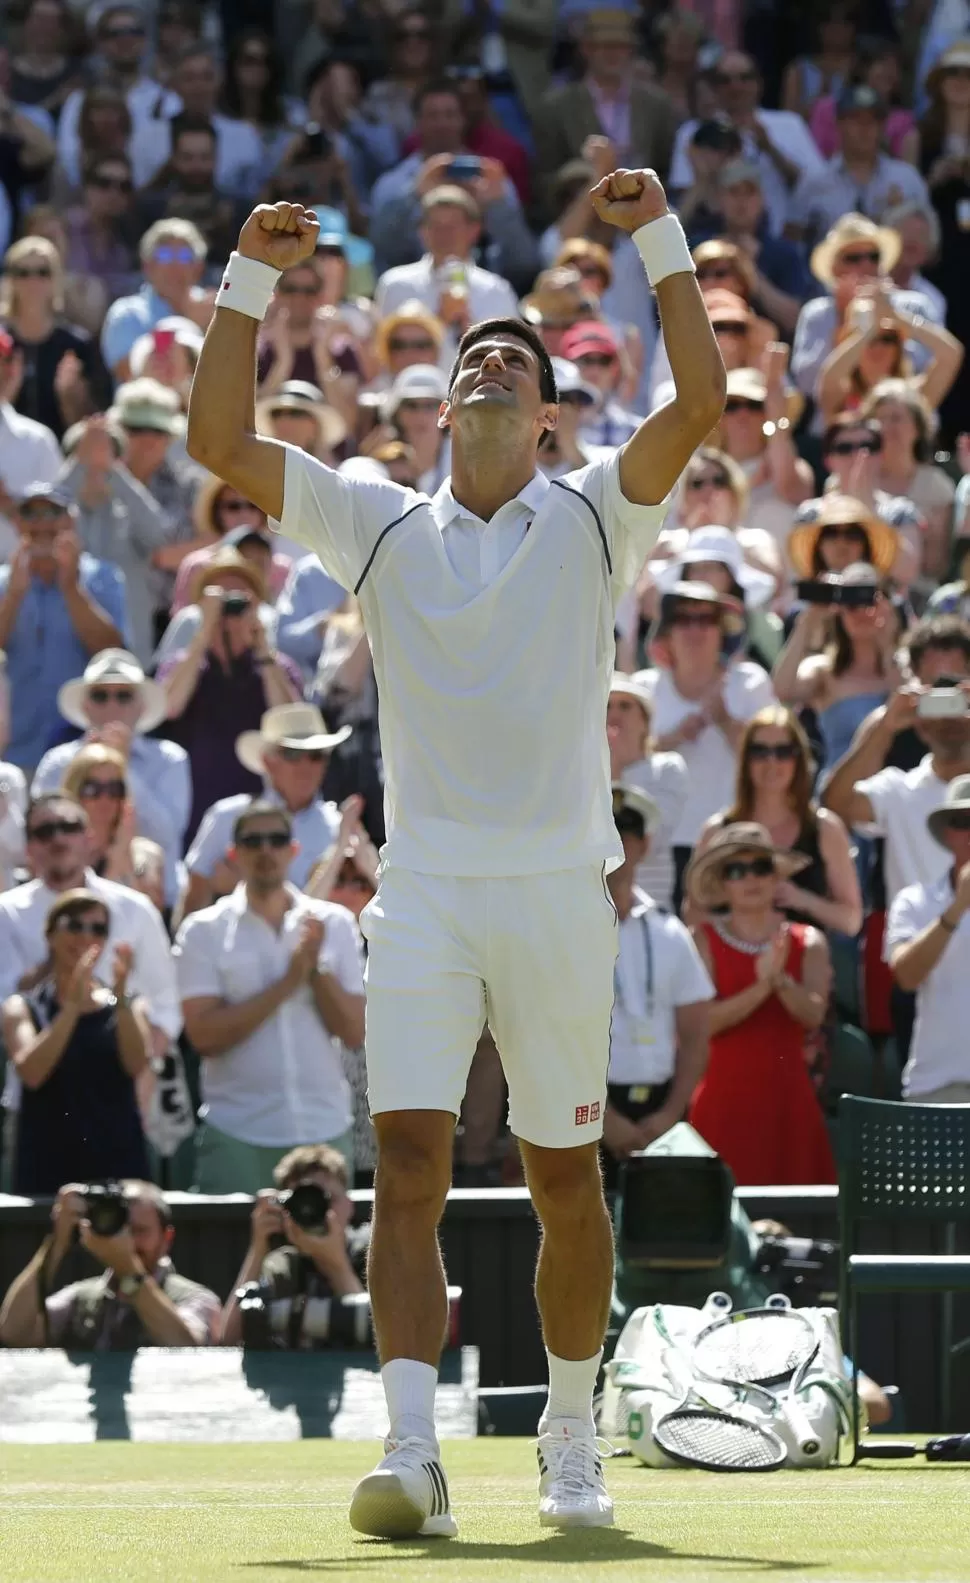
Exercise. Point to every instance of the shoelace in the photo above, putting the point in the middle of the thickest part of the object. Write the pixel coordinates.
(575, 1465)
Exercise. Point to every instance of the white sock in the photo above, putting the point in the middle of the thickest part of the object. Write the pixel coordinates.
(409, 1387)
(571, 1387)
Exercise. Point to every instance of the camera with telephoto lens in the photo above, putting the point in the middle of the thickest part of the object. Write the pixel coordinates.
(234, 604)
(308, 1205)
(806, 1269)
(851, 596)
(106, 1208)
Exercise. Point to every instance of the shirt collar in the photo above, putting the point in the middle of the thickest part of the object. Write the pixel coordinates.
(642, 903)
(238, 903)
(445, 508)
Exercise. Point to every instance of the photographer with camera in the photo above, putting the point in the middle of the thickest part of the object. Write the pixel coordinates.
(221, 684)
(287, 1296)
(138, 1301)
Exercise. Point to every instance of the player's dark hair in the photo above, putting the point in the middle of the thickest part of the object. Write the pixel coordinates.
(521, 332)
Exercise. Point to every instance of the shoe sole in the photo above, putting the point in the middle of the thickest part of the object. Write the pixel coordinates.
(382, 1508)
(576, 1519)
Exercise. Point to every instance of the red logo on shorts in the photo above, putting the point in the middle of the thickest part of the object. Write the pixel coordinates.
(594, 1111)
(582, 1115)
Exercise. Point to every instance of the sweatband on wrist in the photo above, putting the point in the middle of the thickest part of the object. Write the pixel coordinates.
(663, 247)
(247, 286)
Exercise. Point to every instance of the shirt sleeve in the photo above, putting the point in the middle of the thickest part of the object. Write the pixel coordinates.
(340, 519)
(882, 789)
(209, 847)
(754, 693)
(692, 982)
(196, 962)
(199, 1311)
(630, 531)
(908, 915)
(13, 964)
(106, 585)
(153, 974)
(341, 953)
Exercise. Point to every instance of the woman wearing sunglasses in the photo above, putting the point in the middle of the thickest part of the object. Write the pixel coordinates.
(221, 510)
(78, 1049)
(871, 346)
(904, 467)
(756, 431)
(98, 777)
(755, 1103)
(773, 789)
(64, 377)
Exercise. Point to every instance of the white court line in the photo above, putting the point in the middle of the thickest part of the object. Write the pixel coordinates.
(12, 1507)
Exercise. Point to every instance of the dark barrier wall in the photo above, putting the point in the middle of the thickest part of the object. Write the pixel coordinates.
(490, 1242)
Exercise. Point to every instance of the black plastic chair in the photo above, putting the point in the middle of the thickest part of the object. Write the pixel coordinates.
(899, 1163)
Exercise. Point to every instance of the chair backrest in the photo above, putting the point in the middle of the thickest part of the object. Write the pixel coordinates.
(899, 1161)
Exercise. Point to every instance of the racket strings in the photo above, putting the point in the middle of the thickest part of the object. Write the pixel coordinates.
(769, 1347)
(714, 1439)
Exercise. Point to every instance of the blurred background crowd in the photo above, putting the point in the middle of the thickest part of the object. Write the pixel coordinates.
(191, 793)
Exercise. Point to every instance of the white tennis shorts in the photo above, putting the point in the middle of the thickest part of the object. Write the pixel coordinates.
(531, 954)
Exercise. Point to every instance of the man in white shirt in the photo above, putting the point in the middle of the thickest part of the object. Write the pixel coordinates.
(661, 989)
(270, 981)
(447, 279)
(121, 40)
(860, 179)
(490, 613)
(29, 452)
(777, 141)
(291, 750)
(928, 947)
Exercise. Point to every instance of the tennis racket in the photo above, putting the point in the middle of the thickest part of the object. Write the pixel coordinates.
(761, 1347)
(701, 1434)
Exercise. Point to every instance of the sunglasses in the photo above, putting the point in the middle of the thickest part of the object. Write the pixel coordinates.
(174, 253)
(852, 447)
(96, 789)
(696, 618)
(111, 695)
(739, 404)
(782, 751)
(145, 428)
(848, 530)
(353, 881)
(865, 256)
(597, 360)
(958, 821)
(759, 867)
(716, 272)
(68, 925)
(301, 755)
(725, 79)
(730, 327)
(411, 33)
(126, 30)
(42, 511)
(298, 291)
(235, 506)
(886, 338)
(257, 839)
(253, 58)
(30, 272)
(420, 404)
(54, 827)
(111, 183)
(709, 481)
(395, 345)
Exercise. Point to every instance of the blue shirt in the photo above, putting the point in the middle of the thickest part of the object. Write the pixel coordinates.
(44, 651)
(308, 596)
(315, 829)
(161, 789)
(128, 318)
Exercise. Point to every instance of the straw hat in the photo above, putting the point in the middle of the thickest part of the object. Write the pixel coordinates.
(958, 54)
(749, 384)
(412, 313)
(298, 395)
(299, 726)
(957, 800)
(726, 307)
(703, 878)
(146, 403)
(224, 561)
(608, 25)
(113, 668)
(846, 232)
(558, 299)
(841, 511)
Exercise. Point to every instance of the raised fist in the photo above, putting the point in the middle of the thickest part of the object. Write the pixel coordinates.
(629, 199)
(279, 234)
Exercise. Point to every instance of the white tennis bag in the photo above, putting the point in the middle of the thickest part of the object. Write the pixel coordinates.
(654, 1371)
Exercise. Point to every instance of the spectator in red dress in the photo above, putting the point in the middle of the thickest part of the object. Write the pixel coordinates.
(755, 1104)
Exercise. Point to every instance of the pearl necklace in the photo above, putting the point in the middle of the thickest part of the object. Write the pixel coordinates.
(749, 947)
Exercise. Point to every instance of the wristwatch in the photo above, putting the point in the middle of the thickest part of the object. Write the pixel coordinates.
(130, 1285)
(770, 428)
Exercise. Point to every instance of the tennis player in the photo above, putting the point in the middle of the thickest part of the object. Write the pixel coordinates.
(489, 610)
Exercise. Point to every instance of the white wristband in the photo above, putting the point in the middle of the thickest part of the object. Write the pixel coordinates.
(663, 247)
(247, 286)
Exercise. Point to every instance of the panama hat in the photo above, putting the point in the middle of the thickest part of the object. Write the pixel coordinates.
(287, 726)
(299, 395)
(957, 800)
(146, 403)
(114, 668)
(420, 382)
(703, 877)
(714, 543)
(848, 230)
(748, 384)
(957, 55)
(411, 314)
(227, 560)
(631, 687)
(841, 510)
(637, 801)
(558, 299)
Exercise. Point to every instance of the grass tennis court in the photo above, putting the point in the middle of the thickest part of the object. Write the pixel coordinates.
(84, 1514)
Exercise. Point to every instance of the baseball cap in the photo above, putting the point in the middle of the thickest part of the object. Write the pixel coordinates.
(860, 98)
(718, 136)
(589, 336)
(55, 493)
(739, 171)
(420, 382)
(244, 534)
(570, 382)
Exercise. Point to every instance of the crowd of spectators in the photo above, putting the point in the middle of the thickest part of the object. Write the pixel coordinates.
(191, 793)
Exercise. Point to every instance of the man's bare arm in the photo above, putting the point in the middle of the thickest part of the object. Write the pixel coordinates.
(222, 420)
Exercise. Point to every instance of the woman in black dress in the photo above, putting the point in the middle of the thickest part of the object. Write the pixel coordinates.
(64, 376)
(77, 1048)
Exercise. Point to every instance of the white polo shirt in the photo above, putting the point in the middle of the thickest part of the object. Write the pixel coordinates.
(493, 653)
(285, 1084)
(658, 968)
(29, 454)
(939, 1053)
(901, 801)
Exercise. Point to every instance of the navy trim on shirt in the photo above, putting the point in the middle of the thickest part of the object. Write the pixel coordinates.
(380, 540)
(599, 525)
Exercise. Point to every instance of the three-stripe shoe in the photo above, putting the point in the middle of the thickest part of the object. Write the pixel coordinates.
(572, 1489)
(406, 1495)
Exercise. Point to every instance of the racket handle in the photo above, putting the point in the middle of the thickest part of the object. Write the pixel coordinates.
(948, 1448)
(806, 1436)
(888, 1450)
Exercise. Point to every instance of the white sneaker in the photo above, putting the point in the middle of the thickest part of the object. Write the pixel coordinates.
(572, 1489)
(407, 1494)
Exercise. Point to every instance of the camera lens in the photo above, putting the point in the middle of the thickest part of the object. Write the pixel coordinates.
(308, 1205)
(106, 1209)
(234, 604)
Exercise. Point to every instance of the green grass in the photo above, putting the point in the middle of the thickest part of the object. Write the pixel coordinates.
(243, 1513)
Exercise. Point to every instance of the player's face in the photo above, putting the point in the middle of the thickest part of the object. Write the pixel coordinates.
(499, 378)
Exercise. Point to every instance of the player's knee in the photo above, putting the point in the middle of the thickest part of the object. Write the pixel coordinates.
(565, 1185)
(413, 1168)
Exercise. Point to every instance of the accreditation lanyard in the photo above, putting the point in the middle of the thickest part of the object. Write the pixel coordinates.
(642, 1026)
